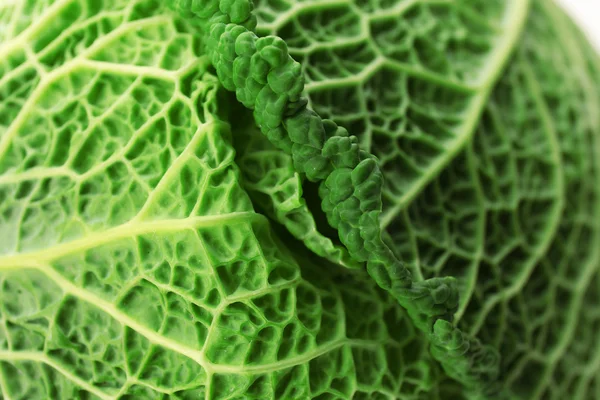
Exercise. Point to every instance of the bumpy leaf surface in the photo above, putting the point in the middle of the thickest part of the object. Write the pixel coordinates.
(135, 262)
(268, 81)
(269, 176)
(132, 262)
(408, 77)
(515, 214)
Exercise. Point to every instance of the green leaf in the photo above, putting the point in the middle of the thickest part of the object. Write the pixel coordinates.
(132, 262)
(135, 262)
(506, 202)
(409, 78)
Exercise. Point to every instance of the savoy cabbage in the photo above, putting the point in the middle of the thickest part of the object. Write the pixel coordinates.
(317, 199)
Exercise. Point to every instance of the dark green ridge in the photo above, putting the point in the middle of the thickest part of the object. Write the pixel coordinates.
(267, 80)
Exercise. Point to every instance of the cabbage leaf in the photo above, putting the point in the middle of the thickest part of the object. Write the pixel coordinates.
(155, 244)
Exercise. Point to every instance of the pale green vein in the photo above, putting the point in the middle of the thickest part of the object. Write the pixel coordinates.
(343, 82)
(289, 362)
(127, 230)
(129, 69)
(37, 173)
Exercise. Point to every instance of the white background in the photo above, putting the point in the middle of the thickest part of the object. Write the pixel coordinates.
(587, 14)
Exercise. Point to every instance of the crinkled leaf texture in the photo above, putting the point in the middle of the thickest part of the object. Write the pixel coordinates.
(132, 262)
(269, 176)
(135, 262)
(500, 192)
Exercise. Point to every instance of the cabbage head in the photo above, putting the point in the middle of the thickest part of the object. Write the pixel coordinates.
(298, 199)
